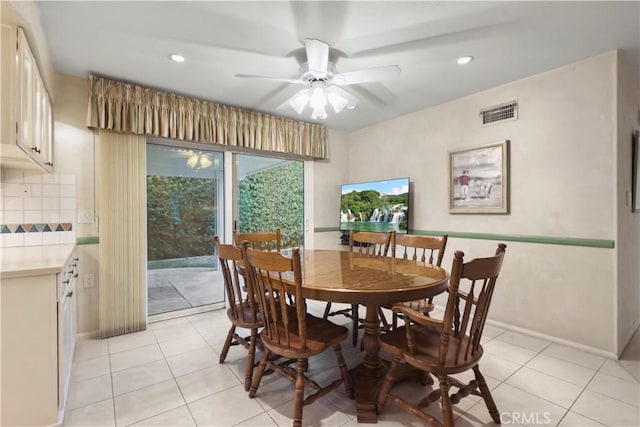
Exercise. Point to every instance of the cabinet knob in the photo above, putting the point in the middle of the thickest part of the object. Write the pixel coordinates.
(66, 282)
(75, 275)
(48, 163)
(36, 149)
(70, 294)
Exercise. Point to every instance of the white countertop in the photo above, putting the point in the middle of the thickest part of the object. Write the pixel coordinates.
(33, 260)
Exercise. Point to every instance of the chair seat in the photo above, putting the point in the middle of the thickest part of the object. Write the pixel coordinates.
(249, 318)
(426, 347)
(321, 334)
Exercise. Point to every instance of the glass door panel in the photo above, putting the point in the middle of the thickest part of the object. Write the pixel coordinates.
(184, 212)
(269, 193)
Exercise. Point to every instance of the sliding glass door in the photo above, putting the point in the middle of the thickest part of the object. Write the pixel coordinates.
(184, 212)
(269, 194)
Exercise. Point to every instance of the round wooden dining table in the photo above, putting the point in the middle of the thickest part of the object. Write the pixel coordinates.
(352, 278)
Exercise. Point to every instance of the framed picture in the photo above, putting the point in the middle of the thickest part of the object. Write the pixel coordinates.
(635, 179)
(479, 179)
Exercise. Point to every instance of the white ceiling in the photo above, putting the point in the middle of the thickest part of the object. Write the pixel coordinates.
(131, 41)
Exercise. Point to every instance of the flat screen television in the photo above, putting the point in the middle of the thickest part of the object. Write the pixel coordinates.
(375, 206)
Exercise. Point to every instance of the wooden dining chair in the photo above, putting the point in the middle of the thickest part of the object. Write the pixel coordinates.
(288, 331)
(242, 310)
(263, 240)
(449, 346)
(364, 242)
(424, 249)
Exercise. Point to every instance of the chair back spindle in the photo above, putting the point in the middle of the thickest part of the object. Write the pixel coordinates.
(378, 244)
(262, 240)
(426, 249)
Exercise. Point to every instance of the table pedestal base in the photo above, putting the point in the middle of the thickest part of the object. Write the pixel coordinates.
(367, 385)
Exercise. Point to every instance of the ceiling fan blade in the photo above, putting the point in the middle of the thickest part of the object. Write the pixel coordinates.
(276, 79)
(365, 76)
(317, 56)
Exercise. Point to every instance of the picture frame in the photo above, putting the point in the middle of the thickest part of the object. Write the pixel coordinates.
(479, 179)
(635, 178)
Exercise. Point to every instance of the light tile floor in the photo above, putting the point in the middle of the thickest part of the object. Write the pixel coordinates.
(169, 375)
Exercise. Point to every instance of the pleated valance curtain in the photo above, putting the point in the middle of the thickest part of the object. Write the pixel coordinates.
(127, 108)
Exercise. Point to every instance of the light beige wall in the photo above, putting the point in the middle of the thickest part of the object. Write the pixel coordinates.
(562, 185)
(329, 175)
(628, 233)
(74, 151)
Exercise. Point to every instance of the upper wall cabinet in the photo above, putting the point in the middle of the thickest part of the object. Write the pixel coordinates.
(26, 123)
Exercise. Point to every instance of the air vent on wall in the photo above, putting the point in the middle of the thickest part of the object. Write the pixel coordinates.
(499, 113)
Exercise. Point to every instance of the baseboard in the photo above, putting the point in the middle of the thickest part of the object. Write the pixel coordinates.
(87, 335)
(568, 343)
(573, 344)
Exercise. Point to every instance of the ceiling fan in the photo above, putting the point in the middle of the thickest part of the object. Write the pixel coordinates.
(323, 82)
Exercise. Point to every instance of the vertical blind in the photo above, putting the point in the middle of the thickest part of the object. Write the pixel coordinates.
(120, 173)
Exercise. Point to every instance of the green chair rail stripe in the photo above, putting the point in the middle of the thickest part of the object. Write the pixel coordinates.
(546, 240)
(87, 240)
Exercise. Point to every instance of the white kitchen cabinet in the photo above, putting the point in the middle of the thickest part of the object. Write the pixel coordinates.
(27, 121)
(38, 333)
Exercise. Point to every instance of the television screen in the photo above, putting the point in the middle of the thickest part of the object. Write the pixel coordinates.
(375, 206)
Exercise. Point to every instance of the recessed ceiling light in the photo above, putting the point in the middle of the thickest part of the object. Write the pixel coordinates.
(177, 58)
(465, 60)
(351, 107)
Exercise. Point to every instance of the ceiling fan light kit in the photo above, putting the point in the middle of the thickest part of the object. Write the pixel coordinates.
(199, 161)
(324, 84)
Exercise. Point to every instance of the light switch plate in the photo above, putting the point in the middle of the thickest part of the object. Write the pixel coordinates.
(88, 280)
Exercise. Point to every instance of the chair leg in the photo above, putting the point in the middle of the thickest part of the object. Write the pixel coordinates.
(327, 310)
(258, 376)
(486, 395)
(248, 376)
(388, 381)
(447, 410)
(299, 394)
(354, 324)
(383, 320)
(343, 370)
(227, 343)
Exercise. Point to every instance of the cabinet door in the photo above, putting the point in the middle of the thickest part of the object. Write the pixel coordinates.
(26, 104)
(66, 341)
(9, 87)
(35, 124)
(47, 129)
(43, 127)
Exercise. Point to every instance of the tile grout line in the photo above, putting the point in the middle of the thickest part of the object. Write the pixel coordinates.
(113, 397)
(581, 393)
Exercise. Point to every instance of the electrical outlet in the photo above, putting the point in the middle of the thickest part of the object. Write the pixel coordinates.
(85, 217)
(88, 280)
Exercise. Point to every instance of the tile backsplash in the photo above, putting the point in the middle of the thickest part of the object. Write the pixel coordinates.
(37, 209)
